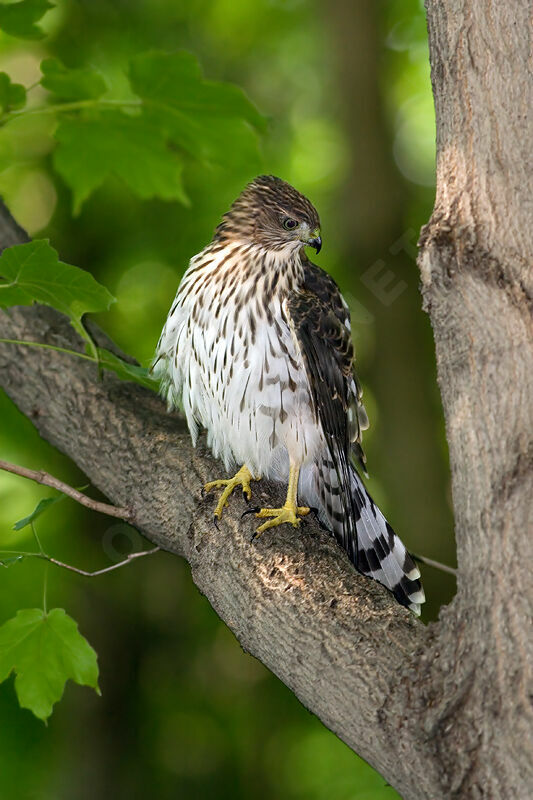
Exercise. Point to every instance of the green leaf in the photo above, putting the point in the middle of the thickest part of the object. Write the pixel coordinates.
(71, 84)
(32, 272)
(211, 121)
(39, 509)
(175, 80)
(114, 143)
(18, 19)
(45, 650)
(12, 95)
(177, 110)
(125, 371)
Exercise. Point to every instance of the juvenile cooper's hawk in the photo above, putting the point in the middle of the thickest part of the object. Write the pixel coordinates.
(257, 350)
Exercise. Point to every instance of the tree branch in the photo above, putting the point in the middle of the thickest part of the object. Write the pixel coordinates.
(44, 478)
(292, 598)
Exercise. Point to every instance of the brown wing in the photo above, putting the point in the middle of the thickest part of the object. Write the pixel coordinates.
(321, 322)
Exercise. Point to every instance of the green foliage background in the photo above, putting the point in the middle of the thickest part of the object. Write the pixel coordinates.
(345, 90)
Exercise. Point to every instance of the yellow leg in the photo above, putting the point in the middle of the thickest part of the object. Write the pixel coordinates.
(242, 478)
(290, 511)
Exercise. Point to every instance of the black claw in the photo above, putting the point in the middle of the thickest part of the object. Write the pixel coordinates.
(253, 537)
(253, 510)
(245, 497)
(215, 522)
(202, 492)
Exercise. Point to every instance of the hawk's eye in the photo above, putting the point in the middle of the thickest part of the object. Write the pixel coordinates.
(290, 224)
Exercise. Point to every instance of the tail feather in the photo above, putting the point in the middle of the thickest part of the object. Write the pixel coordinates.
(365, 534)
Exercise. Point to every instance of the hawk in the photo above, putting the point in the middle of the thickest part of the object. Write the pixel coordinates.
(257, 350)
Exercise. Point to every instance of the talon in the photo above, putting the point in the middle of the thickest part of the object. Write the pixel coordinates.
(215, 522)
(242, 478)
(253, 510)
(289, 513)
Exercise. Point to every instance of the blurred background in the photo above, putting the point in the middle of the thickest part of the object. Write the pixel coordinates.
(345, 87)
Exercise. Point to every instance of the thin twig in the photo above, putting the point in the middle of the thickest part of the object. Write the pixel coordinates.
(436, 564)
(45, 557)
(86, 574)
(33, 86)
(39, 476)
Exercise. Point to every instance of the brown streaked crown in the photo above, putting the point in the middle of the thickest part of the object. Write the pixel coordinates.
(258, 213)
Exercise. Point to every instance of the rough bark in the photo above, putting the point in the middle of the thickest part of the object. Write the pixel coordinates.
(475, 262)
(444, 711)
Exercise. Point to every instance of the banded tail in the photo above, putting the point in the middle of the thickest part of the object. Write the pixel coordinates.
(362, 530)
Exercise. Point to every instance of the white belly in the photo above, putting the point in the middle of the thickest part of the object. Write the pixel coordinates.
(245, 384)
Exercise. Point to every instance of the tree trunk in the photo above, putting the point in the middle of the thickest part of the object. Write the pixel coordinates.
(475, 263)
(444, 711)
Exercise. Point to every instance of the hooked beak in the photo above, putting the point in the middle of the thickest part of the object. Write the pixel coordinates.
(316, 243)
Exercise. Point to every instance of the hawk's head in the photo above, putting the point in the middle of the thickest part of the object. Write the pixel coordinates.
(271, 213)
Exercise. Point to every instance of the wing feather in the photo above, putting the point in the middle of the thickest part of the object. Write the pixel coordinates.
(321, 323)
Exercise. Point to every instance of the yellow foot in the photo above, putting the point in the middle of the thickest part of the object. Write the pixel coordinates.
(242, 478)
(288, 513)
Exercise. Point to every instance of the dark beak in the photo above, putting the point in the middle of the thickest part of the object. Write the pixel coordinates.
(316, 243)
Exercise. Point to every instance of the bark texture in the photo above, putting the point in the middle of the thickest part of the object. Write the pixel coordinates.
(444, 711)
(476, 268)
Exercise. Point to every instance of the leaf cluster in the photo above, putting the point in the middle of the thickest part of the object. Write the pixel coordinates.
(169, 116)
(32, 272)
